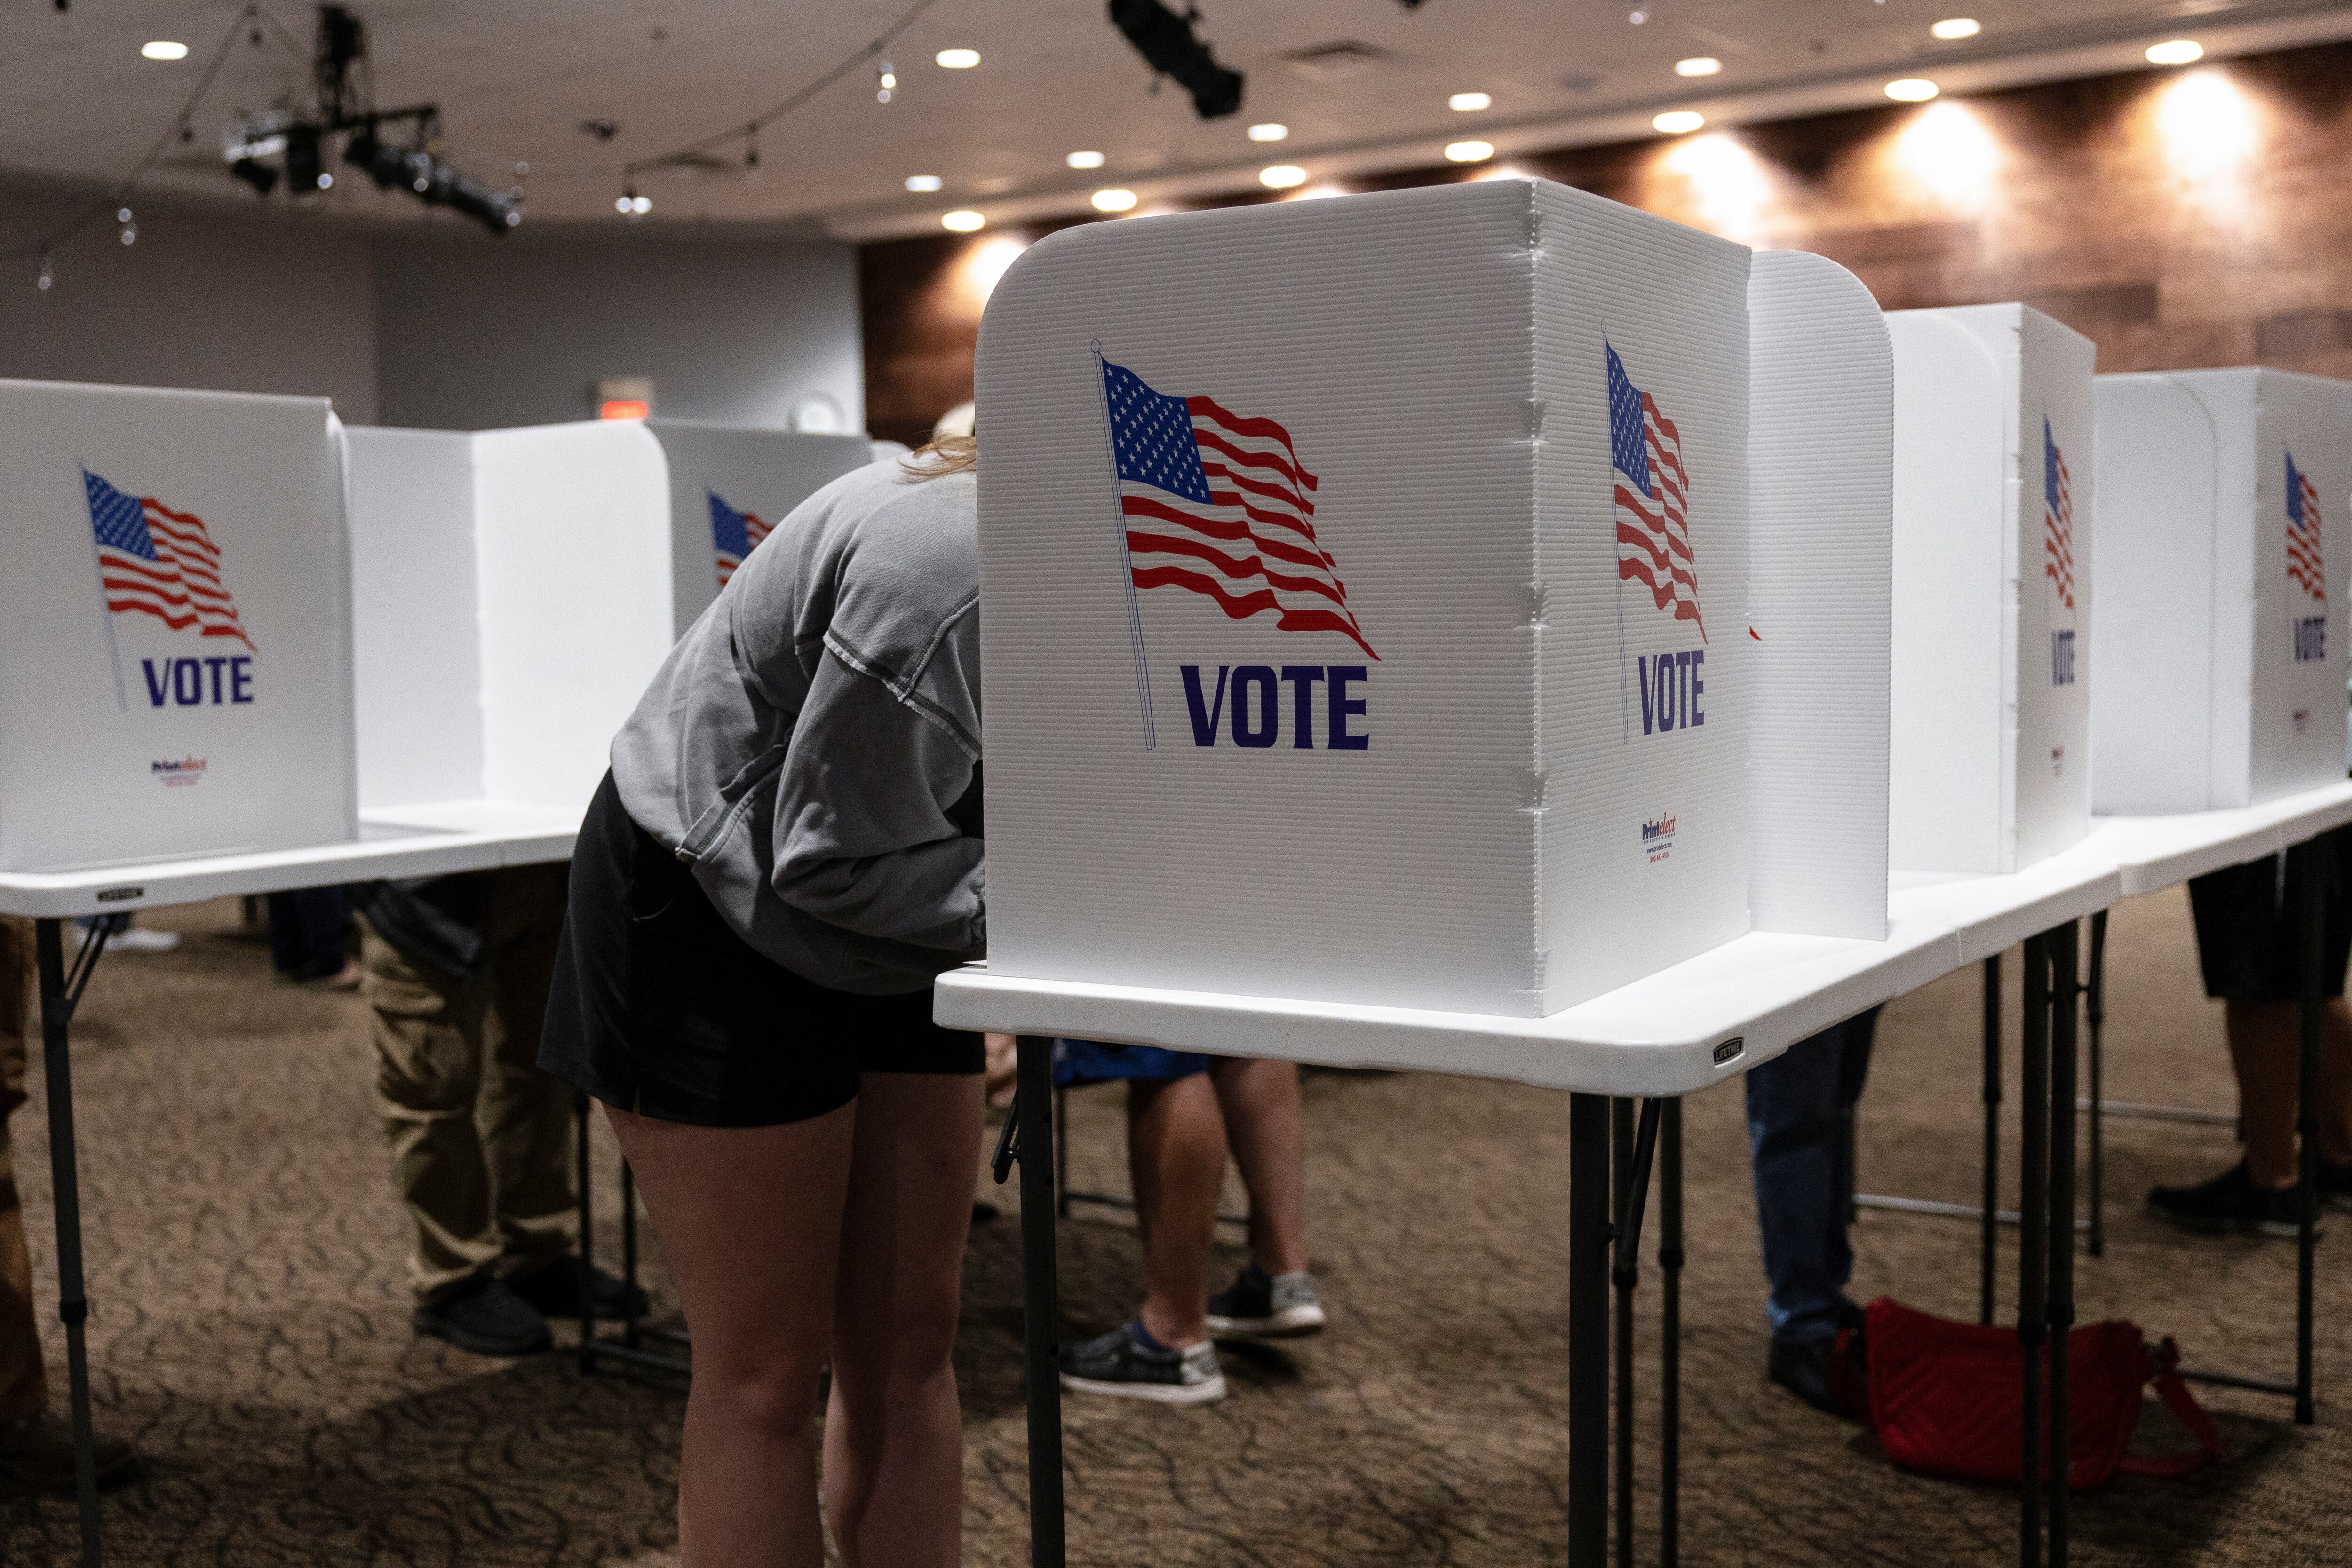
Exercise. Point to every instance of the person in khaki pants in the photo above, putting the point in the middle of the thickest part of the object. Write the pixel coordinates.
(36, 1444)
(455, 973)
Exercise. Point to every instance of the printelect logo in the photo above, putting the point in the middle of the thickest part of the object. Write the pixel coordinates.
(1658, 836)
(178, 773)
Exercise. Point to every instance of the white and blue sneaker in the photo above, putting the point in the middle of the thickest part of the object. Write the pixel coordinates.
(1129, 1363)
(1259, 1305)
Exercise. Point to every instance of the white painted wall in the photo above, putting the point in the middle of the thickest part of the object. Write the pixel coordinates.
(223, 301)
(477, 333)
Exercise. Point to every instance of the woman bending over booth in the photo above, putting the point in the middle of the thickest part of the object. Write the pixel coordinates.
(786, 851)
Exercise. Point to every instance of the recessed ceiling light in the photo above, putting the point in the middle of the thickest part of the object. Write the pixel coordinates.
(1282, 176)
(164, 49)
(1956, 27)
(1912, 89)
(1113, 200)
(924, 182)
(1269, 131)
(1699, 66)
(957, 60)
(1470, 102)
(963, 222)
(1085, 160)
(2178, 52)
(1469, 151)
(1674, 121)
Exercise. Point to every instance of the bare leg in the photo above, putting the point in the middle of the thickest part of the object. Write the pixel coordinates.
(1268, 1127)
(2264, 1049)
(893, 1432)
(1176, 1154)
(750, 1219)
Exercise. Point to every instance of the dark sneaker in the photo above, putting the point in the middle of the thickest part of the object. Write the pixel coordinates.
(1259, 1305)
(38, 1452)
(2336, 1186)
(485, 1317)
(1831, 1373)
(1126, 1364)
(555, 1291)
(2230, 1201)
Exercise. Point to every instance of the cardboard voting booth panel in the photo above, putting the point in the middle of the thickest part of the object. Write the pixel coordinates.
(2223, 501)
(1365, 594)
(1990, 721)
(517, 589)
(175, 626)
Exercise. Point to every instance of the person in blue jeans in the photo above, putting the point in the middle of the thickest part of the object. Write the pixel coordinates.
(1798, 1107)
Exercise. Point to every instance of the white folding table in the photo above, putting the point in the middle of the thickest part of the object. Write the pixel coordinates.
(1674, 1033)
(401, 842)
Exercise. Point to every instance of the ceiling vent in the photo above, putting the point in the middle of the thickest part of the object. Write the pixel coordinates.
(1337, 60)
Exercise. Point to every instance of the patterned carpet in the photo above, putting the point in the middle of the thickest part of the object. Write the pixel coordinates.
(251, 1330)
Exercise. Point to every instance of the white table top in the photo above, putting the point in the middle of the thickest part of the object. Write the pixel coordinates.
(395, 841)
(1691, 1025)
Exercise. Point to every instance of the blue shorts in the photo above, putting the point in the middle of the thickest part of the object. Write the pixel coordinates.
(1082, 1062)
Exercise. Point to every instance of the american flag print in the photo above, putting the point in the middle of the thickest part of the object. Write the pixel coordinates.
(734, 534)
(2305, 563)
(1653, 498)
(1218, 503)
(153, 560)
(2057, 520)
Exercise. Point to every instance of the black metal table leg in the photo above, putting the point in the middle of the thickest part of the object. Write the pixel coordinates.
(2094, 1013)
(2032, 1254)
(1033, 1110)
(2305, 871)
(1670, 1332)
(1587, 1331)
(1990, 1228)
(60, 994)
(2064, 995)
(1624, 1275)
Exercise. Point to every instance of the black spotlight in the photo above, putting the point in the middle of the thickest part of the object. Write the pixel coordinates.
(306, 173)
(431, 181)
(256, 173)
(1166, 40)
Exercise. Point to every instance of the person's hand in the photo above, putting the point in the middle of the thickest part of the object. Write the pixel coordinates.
(1003, 1068)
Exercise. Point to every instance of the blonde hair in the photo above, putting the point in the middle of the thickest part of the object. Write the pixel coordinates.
(940, 457)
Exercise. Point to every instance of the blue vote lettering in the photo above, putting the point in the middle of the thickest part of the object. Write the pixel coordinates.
(1257, 722)
(214, 681)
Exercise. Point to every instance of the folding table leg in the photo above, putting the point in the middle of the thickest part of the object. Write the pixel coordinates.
(2306, 871)
(1989, 1226)
(2032, 1254)
(1587, 1331)
(1033, 1109)
(2094, 1012)
(2064, 991)
(1625, 1273)
(60, 996)
(1670, 1332)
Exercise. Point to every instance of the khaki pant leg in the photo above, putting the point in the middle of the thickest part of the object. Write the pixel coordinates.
(24, 1382)
(428, 1034)
(525, 1114)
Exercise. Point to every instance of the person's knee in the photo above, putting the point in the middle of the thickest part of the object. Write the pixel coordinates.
(911, 1344)
(775, 1395)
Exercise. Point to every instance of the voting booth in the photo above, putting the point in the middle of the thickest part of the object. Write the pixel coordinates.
(175, 626)
(518, 589)
(2222, 498)
(1371, 592)
(1992, 588)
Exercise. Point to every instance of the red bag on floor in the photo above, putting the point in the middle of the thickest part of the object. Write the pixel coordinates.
(1946, 1399)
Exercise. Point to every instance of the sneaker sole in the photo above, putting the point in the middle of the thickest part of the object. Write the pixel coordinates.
(2269, 1228)
(481, 1344)
(1160, 1393)
(1291, 1322)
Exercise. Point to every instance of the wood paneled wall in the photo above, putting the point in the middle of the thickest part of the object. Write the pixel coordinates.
(2180, 217)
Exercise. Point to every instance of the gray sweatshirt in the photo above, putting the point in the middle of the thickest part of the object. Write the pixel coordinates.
(812, 745)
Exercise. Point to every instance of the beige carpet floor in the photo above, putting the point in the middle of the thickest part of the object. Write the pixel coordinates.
(251, 1331)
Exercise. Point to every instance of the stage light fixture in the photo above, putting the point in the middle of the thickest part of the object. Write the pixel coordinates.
(1912, 89)
(2177, 52)
(1699, 66)
(1113, 201)
(1166, 42)
(304, 170)
(256, 173)
(163, 50)
(1469, 151)
(1678, 121)
(1085, 160)
(886, 80)
(1282, 176)
(957, 59)
(1469, 102)
(962, 221)
(1270, 131)
(1956, 27)
(924, 182)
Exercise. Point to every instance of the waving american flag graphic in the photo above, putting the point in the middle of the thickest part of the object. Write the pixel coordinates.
(1653, 498)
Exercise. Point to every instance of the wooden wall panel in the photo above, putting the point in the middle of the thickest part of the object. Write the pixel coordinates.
(2182, 219)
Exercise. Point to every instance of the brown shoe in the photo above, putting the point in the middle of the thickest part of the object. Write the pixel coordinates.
(38, 1452)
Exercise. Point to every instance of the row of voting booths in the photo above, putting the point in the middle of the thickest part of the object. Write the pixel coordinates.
(231, 625)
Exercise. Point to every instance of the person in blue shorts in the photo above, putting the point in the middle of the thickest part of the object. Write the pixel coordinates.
(1184, 1113)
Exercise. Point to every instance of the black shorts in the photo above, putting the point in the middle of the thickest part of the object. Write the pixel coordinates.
(660, 1008)
(2246, 938)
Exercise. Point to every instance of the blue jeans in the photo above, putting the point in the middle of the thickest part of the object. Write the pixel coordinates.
(306, 932)
(1798, 1105)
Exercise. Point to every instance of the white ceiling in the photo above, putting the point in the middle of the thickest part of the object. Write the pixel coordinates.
(515, 79)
